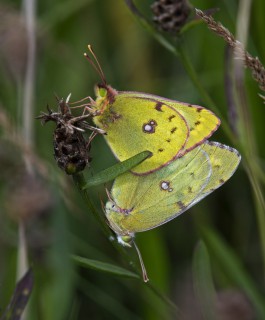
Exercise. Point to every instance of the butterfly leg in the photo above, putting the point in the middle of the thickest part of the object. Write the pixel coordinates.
(88, 107)
(91, 137)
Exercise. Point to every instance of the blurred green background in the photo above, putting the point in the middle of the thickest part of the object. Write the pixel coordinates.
(38, 200)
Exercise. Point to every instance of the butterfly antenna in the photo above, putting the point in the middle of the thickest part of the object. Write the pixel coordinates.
(96, 64)
(145, 277)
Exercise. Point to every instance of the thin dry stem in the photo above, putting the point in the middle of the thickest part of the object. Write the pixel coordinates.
(254, 64)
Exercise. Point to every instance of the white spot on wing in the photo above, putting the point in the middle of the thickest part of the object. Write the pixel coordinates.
(165, 185)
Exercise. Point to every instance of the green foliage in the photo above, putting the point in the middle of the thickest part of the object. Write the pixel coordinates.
(104, 267)
(58, 222)
(203, 282)
(115, 170)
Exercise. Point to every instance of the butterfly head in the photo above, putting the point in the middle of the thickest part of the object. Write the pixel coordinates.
(115, 214)
(105, 96)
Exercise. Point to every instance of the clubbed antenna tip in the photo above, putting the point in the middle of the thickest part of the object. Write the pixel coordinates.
(95, 64)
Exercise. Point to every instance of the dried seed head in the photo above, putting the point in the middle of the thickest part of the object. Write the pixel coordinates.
(71, 150)
(170, 15)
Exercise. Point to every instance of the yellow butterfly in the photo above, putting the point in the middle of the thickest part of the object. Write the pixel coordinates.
(136, 122)
(139, 203)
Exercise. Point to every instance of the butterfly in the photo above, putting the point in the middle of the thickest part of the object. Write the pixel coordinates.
(136, 122)
(139, 203)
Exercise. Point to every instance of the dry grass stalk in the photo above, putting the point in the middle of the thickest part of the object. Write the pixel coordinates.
(254, 64)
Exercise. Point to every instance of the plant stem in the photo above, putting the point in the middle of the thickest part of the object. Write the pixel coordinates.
(80, 182)
(29, 83)
(27, 121)
(204, 94)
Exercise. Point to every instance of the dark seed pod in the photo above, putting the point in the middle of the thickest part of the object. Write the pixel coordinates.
(170, 15)
(71, 150)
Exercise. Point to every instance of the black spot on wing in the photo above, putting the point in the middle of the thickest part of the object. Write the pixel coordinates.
(158, 106)
(181, 205)
(171, 117)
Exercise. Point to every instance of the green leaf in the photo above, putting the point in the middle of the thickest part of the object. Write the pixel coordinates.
(104, 267)
(203, 282)
(233, 269)
(117, 169)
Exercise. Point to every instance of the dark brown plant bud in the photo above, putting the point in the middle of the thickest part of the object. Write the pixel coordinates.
(170, 15)
(71, 150)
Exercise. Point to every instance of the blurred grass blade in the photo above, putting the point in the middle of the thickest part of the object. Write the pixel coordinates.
(103, 297)
(233, 269)
(61, 12)
(114, 171)
(104, 267)
(20, 298)
(203, 282)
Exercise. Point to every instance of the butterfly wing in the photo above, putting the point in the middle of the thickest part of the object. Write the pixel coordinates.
(136, 124)
(202, 123)
(145, 202)
(148, 202)
(224, 162)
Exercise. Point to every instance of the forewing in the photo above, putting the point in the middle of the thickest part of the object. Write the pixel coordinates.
(202, 123)
(135, 124)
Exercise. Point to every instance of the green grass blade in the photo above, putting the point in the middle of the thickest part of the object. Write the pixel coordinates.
(232, 267)
(106, 301)
(104, 267)
(203, 282)
(115, 170)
